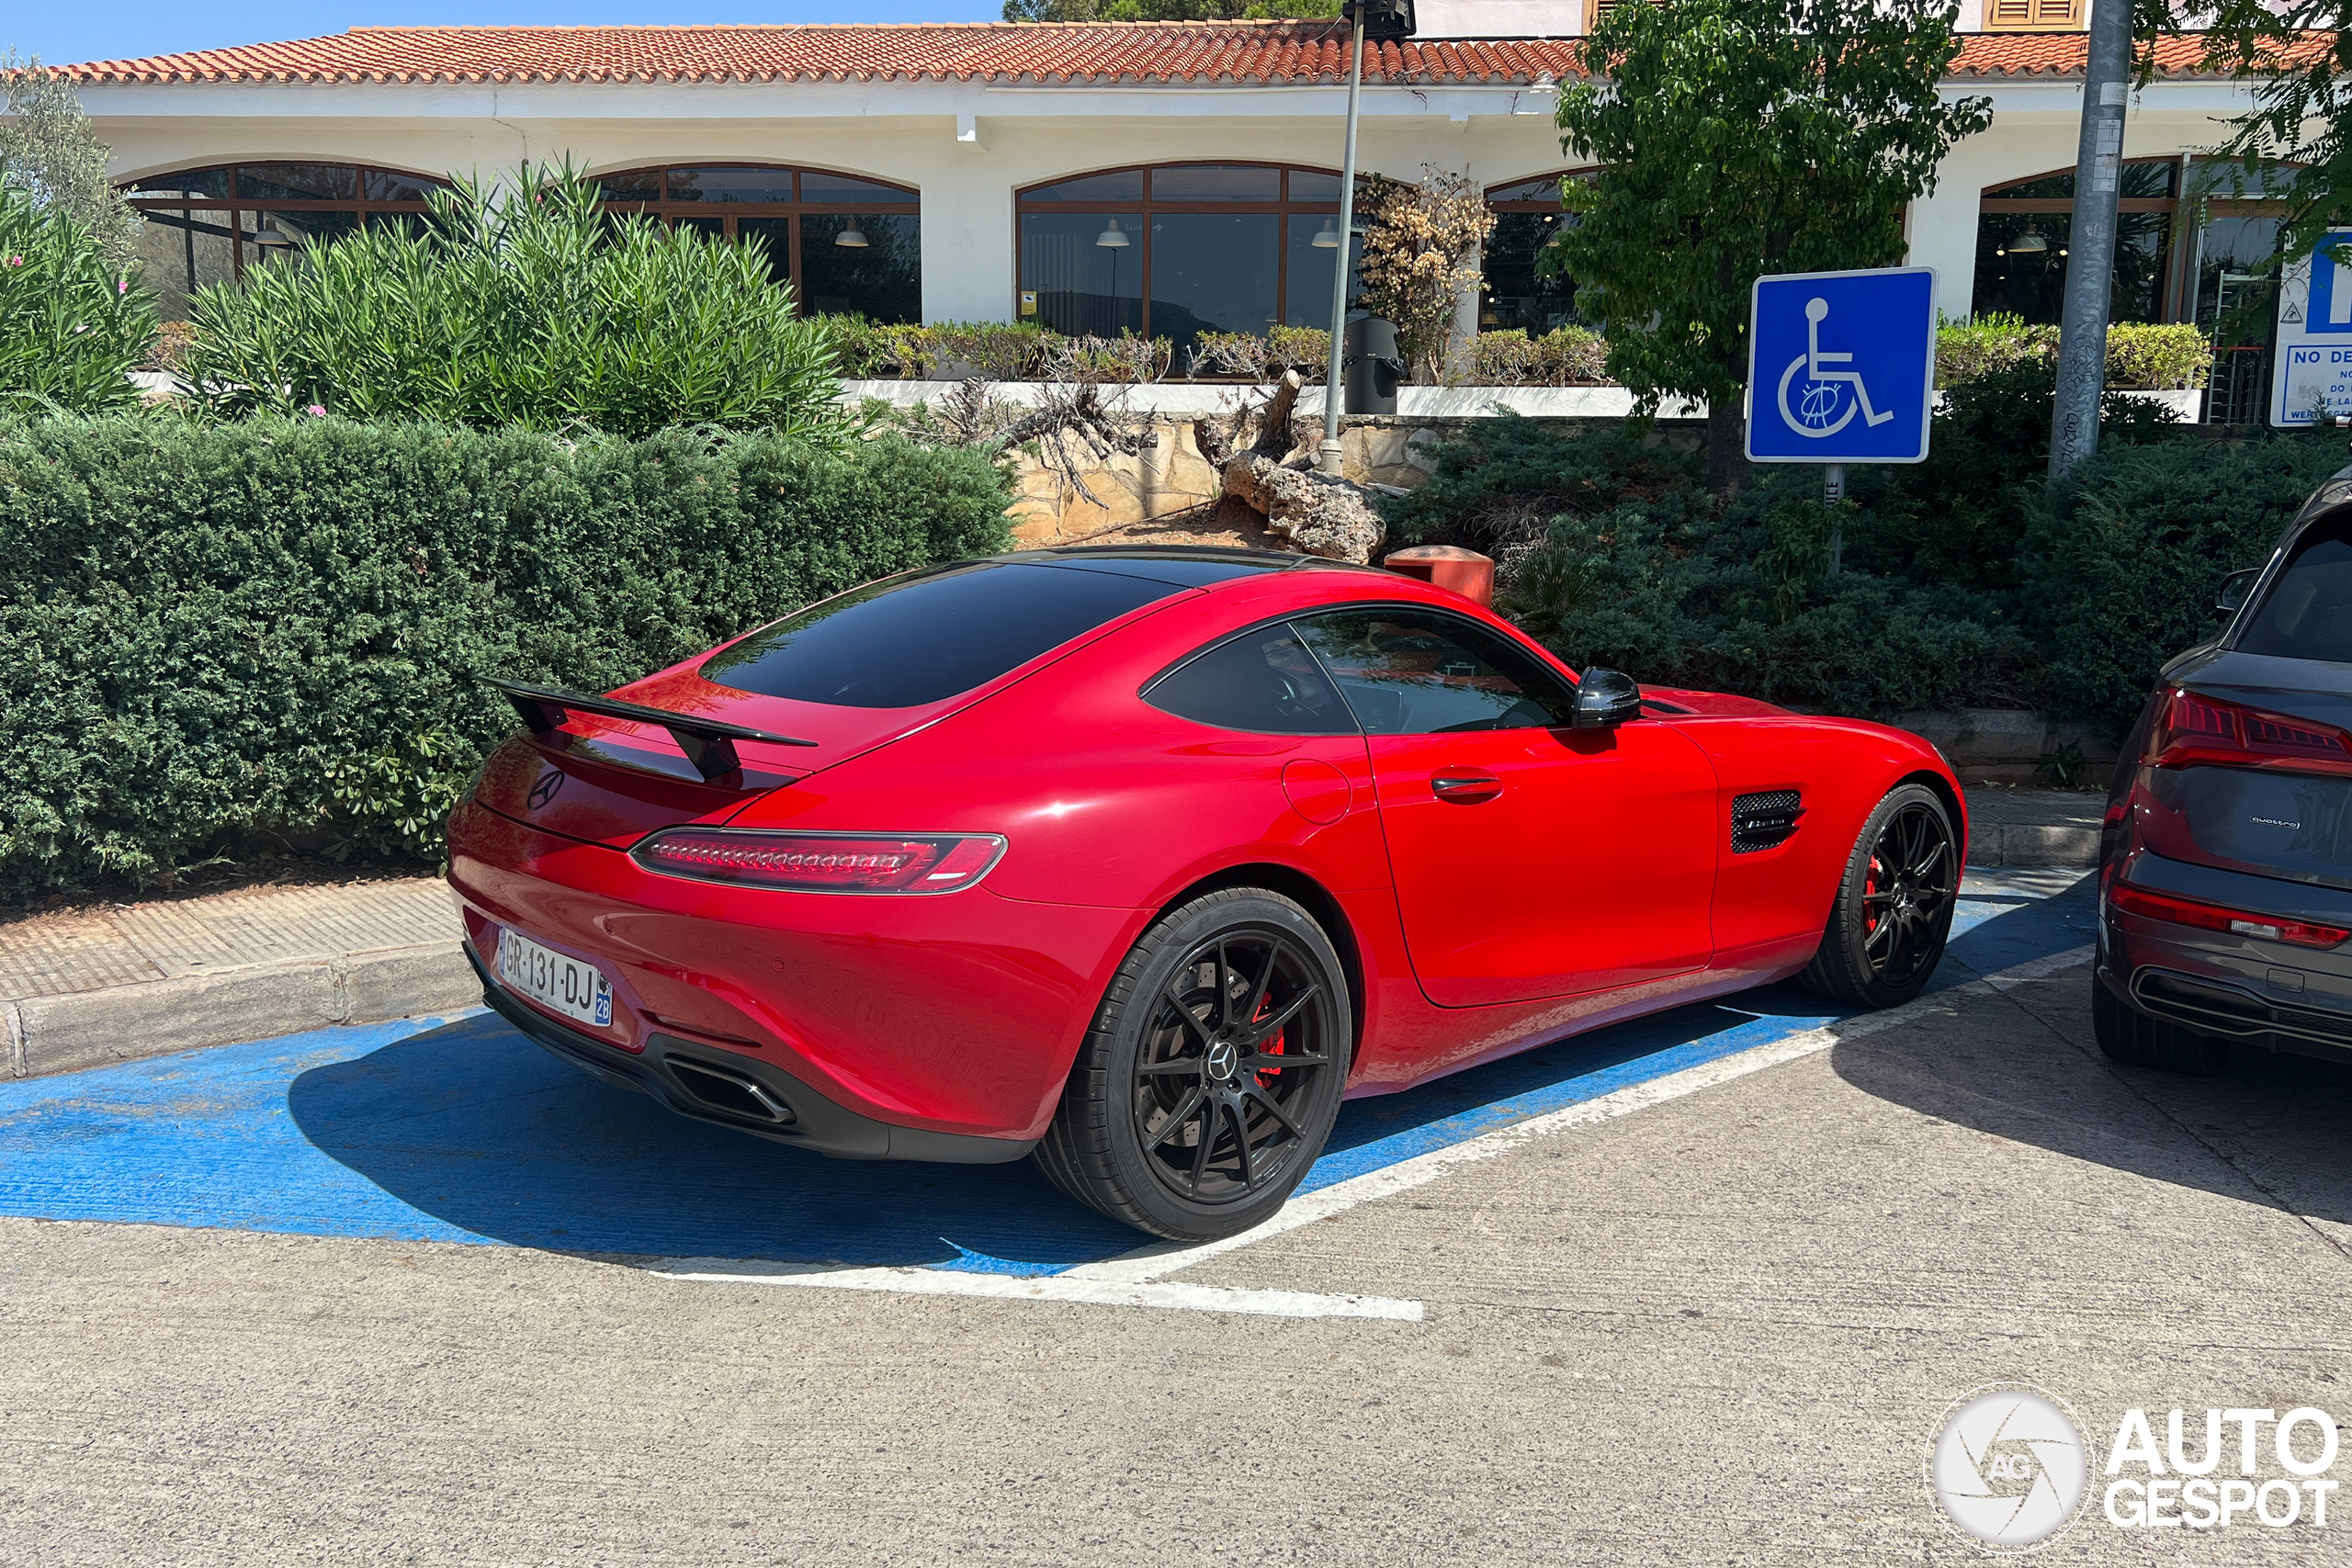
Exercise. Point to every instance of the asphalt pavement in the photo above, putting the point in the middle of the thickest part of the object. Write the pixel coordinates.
(1696, 1291)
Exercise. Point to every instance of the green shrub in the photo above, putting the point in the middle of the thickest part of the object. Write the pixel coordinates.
(1502, 481)
(71, 328)
(993, 351)
(1264, 356)
(1966, 350)
(2145, 355)
(2120, 564)
(211, 631)
(544, 312)
(1564, 357)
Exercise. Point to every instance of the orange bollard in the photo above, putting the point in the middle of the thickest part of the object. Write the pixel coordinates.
(1465, 572)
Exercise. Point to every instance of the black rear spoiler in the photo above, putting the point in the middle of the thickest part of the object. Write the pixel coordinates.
(709, 743)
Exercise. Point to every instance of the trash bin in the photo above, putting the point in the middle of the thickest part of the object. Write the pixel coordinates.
(1373, 369)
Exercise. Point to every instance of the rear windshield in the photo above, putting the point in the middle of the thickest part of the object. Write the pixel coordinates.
(2308, 612)
(909, 640)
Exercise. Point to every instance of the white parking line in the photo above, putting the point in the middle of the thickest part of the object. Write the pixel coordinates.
(1156, 1262)
(1138, 1278)
(1045, 1288)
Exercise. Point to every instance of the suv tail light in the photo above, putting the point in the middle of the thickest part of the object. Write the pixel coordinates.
(822, 862)
(2196, 729)
(2215, 918)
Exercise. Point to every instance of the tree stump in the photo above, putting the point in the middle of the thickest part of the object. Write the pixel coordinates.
(1274, 476)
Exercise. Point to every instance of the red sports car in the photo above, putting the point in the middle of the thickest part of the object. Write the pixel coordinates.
(1139, 861)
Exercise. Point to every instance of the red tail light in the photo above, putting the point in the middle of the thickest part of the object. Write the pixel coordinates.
(2215, 918)
(823, 863)
(2196, 729)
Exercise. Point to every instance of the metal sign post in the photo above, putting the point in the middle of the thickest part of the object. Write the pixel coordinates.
(1841, 369)
(1382, 19)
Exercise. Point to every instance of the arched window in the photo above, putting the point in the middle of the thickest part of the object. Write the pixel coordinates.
(849, 245)
(1175, 250)
(1527, 216)
(208, 225)
(2022, 229)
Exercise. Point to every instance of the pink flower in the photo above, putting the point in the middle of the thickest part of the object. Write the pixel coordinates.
(16, 261)
(123, 287)
(317, 411)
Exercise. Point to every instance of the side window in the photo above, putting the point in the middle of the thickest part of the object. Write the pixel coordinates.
(2308, 612)
(1421, 672)
(1260, 680)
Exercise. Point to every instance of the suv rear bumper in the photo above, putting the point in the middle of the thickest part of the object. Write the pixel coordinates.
(740, 1091)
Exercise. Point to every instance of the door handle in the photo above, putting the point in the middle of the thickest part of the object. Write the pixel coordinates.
(1465, 787)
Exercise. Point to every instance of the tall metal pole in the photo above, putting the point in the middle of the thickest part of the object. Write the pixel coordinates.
(2090, 243)
(1328, 459)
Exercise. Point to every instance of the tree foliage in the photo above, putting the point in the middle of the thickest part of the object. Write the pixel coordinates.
(1420, 258)
(71, 328)
(531, 307)
(1740, 138)
(48, 152)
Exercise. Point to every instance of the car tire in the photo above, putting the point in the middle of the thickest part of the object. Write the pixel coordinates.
(2124, 1034)
(1894, 908)
(1211, 1073)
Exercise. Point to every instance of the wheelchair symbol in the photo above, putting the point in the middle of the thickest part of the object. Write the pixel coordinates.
(1818, 403)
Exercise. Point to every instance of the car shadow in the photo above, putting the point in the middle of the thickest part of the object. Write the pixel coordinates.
(477, 1127)
(2265, 1128)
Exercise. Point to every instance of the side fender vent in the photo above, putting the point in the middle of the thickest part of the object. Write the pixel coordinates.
(1764, 821)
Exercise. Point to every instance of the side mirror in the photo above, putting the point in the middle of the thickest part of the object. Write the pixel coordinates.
(2234, 589)
(1606, 699)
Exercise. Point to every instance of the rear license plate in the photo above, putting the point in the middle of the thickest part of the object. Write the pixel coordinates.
(569, 986)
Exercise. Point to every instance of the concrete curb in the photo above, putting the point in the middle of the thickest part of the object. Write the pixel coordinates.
(121, 1023)
(2021, 844)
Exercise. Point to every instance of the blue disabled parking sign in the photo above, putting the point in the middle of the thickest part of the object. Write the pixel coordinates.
(1841, 367)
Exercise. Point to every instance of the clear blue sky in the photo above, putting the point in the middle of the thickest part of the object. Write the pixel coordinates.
(61, 32)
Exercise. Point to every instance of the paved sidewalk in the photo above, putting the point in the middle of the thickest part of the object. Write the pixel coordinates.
(83, 987)
(2035, 826)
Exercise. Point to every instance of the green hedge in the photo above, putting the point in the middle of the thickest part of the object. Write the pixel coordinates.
(2121, 566)
(210, 632)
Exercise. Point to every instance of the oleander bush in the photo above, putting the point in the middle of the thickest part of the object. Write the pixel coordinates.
(218, 633)
(72, 327)
(537, 308)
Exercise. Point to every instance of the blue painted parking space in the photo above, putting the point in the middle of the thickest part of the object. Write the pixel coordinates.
(461, 1131)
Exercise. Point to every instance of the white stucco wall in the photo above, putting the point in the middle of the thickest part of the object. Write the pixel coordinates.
(968, 149)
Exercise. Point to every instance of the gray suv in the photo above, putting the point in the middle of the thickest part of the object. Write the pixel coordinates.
(2225, 868)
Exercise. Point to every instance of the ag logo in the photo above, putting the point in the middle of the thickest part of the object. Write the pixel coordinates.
(2009, 1466)
(545, 790)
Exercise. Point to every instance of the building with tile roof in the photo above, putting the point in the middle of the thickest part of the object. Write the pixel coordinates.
(1169, 177)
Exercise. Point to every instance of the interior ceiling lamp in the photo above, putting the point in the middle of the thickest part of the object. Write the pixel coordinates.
(852, 238)
(1385, 21)
(273, 238)
(2027, 243)
(1110, 238)
(1328, 237)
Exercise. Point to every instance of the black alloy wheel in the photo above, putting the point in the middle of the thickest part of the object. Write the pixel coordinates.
(1214, 1071)
(1892, 916)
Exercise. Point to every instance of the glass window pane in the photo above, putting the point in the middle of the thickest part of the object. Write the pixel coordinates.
(1216, 182)
(390, 185)
(880, 279)
(816, 185)
(1211, 272)
(714, 227)
(1262, 681)
(2021, 264)
(2149, 179)
(1518, 295)
(297, 182)
(1083, 285)
(1546, 189)
(731, 184)
(637, 185)
(196, 185)
(2236, 299)
(775, 233)
(2308, 612)
(1119, 185)
(2055, 187)
(918, 638)
(181, 252)
(304, 229)
(1419, 672)
(1307, 299)
(1314, 184)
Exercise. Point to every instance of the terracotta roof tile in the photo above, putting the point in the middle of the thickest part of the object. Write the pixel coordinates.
(1082, 53)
